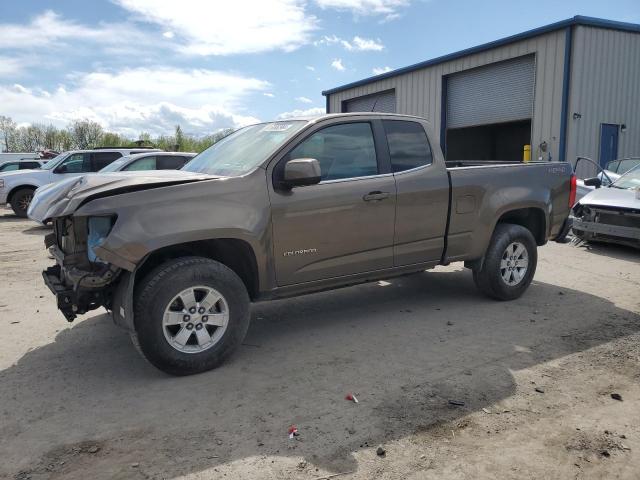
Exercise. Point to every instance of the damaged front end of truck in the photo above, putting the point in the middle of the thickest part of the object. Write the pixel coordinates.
(80, 280)
(83, 213)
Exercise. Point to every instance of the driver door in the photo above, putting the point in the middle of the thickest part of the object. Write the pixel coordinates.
(343, 225)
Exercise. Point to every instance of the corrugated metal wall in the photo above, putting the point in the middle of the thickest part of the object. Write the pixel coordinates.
(420, 92)
(605, 88)
(500, 92)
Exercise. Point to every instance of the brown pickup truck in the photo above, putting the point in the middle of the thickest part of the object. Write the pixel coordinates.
(285, 208)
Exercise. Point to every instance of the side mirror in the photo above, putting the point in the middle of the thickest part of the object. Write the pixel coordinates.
(593, 182)
(61, 169)
(301, 172)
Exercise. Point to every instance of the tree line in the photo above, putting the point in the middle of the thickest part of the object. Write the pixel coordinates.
(87, 134)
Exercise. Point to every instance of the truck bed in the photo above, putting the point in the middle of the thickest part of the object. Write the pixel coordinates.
(481, 193)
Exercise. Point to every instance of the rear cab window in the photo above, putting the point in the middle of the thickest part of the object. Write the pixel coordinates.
(408, 145)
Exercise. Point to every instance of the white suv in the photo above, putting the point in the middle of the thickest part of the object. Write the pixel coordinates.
(17, 187)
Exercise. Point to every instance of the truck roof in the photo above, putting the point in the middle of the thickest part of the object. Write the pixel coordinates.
(353, 114)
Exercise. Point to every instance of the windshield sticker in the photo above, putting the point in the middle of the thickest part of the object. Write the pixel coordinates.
(277, 127)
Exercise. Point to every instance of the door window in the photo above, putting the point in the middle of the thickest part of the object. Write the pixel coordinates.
(146, 163)
(29, 165)
(170, 162)
(7, 167)
(99, 160)
(408, 145)
(343, 151)
(74, 163)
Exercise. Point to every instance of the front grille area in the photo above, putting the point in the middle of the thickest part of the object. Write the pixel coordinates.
(619, 218)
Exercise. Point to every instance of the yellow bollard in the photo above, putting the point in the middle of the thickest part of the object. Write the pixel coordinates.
(526, 154)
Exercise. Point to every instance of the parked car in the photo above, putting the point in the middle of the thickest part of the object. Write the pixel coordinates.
(285, 208)
(149, 161)
(17, 187)
(10, 166)
(130, 163)
(611, 213)
(13, 156)
(611, 172)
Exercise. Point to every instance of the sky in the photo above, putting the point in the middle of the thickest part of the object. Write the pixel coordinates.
(147, 65)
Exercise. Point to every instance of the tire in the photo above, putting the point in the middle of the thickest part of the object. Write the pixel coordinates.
(490, 279)
(161, 296)
(20, 201)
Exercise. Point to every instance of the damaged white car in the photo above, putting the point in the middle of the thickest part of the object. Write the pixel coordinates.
(610, 214)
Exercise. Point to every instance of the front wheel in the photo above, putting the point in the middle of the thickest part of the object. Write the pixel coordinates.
(509, 264)
(191, 313)
(21, 200)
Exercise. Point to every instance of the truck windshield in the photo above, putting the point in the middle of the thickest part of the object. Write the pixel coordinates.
(243, 150)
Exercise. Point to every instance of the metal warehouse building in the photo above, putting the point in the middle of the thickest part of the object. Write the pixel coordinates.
(566, 89)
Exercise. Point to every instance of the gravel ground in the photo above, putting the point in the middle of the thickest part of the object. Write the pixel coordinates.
(533, 378)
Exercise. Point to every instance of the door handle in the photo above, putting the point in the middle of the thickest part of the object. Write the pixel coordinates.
(375, 196)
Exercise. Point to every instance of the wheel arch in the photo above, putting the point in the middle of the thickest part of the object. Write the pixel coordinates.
(234, 253)
(13, 191)
(531, 218)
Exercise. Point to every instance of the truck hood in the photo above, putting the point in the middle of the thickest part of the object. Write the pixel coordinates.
(25, 171)
(64, 197)
(612, 197)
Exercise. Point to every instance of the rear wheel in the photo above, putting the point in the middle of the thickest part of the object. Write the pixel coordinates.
(21, 200)
(190, 314)
(509, 264)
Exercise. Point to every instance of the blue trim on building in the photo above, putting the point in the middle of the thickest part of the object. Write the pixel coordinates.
(326, 108)
(566, 79)
(577, 20)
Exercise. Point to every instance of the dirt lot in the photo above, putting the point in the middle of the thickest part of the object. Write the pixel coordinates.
(78, 402)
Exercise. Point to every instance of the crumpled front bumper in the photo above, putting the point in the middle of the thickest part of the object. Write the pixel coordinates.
(76, 288)
(64, 295)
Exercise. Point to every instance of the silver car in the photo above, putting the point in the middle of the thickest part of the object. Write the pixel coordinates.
(610, 213)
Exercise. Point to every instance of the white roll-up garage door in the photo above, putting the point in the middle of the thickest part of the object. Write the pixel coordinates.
(380, 102)
(501, 92)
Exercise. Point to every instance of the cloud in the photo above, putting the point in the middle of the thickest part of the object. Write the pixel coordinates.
(267, 94)
(20, 89)
(310, 68)
(337, 64)
(311, 112)
(365, 44)
(168, 34)
(10, 67)
(358, 44)
(50, 30)
(381, 70)
(139, 99)
(226, 28)
(365, 7)
(304, 100)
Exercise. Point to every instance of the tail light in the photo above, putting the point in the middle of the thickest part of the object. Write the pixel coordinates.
(572, 191)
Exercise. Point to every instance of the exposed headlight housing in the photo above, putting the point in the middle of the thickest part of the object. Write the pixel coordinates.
(1, 183)
(97, 230)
